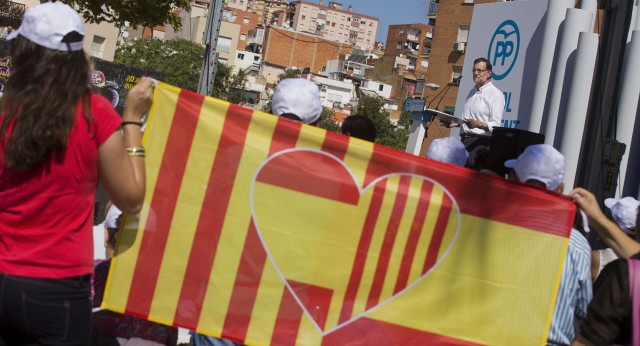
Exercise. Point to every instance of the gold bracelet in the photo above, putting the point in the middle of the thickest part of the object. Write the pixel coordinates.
(134, 150)
(138, 154)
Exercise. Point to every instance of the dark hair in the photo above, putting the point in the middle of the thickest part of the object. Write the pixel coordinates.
(484, 60)
(359, 126)
(112, 233)
(40, 101)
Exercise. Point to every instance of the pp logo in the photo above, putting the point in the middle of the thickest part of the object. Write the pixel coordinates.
(504, 48)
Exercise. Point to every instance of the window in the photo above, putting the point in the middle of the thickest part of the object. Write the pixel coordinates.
(245, 20)
(241, 56)
(224, 44)
(456, 74)
(97, 46)
(256, 58)
(243, 37)
(399, 45)
(304, 17)
(463, 33)
(223, 61)
(380, 87)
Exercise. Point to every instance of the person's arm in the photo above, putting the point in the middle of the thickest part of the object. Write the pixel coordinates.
(580, 341)
(123, 173)
(609, 232)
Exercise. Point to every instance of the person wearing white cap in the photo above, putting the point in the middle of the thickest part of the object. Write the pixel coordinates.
(624, 212)
(611, 317)
(57, 140)
(449, 150)
(297, 99)
(542, 165)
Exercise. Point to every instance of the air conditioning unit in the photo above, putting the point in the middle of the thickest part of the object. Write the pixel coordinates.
(456, 81)
(459, 46)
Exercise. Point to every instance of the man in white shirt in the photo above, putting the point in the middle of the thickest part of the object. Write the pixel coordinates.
(482, 112)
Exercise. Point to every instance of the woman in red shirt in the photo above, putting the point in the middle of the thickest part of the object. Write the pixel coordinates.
(56, 140)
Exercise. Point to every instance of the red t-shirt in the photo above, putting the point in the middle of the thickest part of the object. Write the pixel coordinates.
(46, 213)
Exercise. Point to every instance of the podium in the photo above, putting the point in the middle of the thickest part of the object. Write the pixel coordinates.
(507, 144)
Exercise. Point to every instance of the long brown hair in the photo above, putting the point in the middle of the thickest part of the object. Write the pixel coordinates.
(40, 101)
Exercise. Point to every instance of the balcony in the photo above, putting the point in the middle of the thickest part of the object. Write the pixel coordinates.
(433, 10)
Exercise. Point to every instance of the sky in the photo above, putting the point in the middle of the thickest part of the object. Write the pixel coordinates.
(388, 12)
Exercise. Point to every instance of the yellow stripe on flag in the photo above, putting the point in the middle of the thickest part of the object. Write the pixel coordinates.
(237, 223)
(185, 221)
(128, 245)
(435, 202)
(400, 245)
(472, 293)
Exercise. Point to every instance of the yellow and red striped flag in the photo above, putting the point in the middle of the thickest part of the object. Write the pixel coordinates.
(265, 231)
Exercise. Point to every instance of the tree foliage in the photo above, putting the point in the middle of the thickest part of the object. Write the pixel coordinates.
(289, 73)
(388, 135)
(11, 13)
(179, 60)
(148, 13)
(327, 120)
(229, 85)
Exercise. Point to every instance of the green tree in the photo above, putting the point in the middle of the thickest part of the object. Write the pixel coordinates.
(327, 120)
(178, 60)
(288, 73)
(148, 13)
(229, 85)
(387, 134)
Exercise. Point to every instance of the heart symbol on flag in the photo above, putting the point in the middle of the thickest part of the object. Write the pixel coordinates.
(341, 250)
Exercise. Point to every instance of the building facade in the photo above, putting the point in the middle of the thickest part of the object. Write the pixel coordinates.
(294, 49)
(333, 23)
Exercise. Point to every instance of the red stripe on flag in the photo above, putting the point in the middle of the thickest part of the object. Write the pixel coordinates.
(285, 135)
(212, 215)
(163, 204)
(362, 252)
(366, 331)
(481, 195)
(335, 144)
(414, 236)
(245, 289)
(316, 299)
(389, 241)
(438, 233)
(288, 321)
(254, 256)
(323, 176)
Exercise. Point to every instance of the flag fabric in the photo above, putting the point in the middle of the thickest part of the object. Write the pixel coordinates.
(265, 231)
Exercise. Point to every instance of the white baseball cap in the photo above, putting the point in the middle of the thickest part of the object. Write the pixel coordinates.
(449, 150)
(540, 162)
(624, 211)
(297, 96)
(47, 24)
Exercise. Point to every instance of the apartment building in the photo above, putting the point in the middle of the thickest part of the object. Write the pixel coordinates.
(241, 5)
(333, 23)
(247, 20)
(296, 49)
(268, 11)
(411, 42)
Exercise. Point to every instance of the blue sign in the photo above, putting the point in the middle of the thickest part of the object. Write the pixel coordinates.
(407, 104)
(504, 49)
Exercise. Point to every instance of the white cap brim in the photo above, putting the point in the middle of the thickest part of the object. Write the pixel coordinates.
(610, 202)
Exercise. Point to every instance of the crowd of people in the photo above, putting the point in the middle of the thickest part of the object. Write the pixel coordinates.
(57, 140)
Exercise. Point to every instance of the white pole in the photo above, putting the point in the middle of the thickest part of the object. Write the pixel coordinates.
(556, 10)
(579, 92)
(577, 21)
(627, 110)
(592, 7)
(416, 136)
